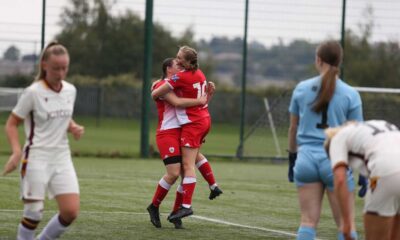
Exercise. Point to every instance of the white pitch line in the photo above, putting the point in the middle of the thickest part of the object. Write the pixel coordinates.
(243, 226)
(193, 216)
(87, 212)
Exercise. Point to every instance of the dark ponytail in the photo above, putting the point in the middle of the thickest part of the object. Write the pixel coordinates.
(331, 53)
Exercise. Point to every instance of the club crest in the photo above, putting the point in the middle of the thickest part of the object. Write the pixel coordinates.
(175, 78)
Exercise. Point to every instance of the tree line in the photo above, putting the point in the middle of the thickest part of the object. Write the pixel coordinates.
(103, 45)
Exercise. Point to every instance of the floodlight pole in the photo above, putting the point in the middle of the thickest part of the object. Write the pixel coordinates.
(239, 151)
(343, 36)
(148, 41)
(43, 22)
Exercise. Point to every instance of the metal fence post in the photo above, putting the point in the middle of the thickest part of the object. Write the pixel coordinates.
(239, 151)
(43, 22)
(148, 41)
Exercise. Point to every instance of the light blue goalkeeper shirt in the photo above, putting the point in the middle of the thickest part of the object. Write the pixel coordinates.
(345, 105)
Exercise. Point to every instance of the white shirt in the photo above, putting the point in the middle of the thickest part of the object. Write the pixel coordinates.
(46, 115)
(371, 147)
(166, 112)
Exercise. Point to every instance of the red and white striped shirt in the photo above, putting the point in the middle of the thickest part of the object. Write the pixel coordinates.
(166, 113)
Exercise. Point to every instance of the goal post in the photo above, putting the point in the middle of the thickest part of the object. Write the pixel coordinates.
(377, 90)
(266, 136)
(273, 130)
(9, 98)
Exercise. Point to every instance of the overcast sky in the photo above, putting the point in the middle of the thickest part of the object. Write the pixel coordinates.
(269, 20)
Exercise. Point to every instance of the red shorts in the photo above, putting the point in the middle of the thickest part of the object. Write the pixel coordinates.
(194, 133)
(168, 142)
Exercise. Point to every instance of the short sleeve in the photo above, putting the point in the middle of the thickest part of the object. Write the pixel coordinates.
(355, 111)
(294, 105)
(25, 104)
(159, 84)
(175, 81)
(75, 93)
(338, 150)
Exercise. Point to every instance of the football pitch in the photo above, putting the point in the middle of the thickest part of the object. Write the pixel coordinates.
(121, 138)
(257, 203)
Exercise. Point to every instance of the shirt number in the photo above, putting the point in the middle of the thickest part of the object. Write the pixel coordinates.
(324, 120)
(201, 88)
(388, 128)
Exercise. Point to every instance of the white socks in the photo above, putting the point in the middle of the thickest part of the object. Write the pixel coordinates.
(25, 233)
(52, 230)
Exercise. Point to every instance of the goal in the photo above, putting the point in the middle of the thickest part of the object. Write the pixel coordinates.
(266, 138)
(9, 98)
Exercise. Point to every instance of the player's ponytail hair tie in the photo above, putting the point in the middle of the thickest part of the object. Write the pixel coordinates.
(335, 70)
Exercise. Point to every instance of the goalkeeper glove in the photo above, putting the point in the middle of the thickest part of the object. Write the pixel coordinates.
(363, 182)
(292, 161)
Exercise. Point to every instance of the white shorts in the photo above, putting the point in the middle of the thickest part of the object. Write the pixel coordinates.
(52, 172)
(384, 200)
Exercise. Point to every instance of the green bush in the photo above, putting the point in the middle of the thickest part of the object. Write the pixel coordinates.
(122, 80)
(16, 81)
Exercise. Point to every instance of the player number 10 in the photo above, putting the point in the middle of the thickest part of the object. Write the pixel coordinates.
(201, 88)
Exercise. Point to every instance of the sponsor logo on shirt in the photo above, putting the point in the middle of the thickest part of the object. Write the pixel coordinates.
(59, 114)
(171, 149)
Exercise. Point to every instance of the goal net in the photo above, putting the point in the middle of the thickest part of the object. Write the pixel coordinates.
(266, 138)
(9, 98)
